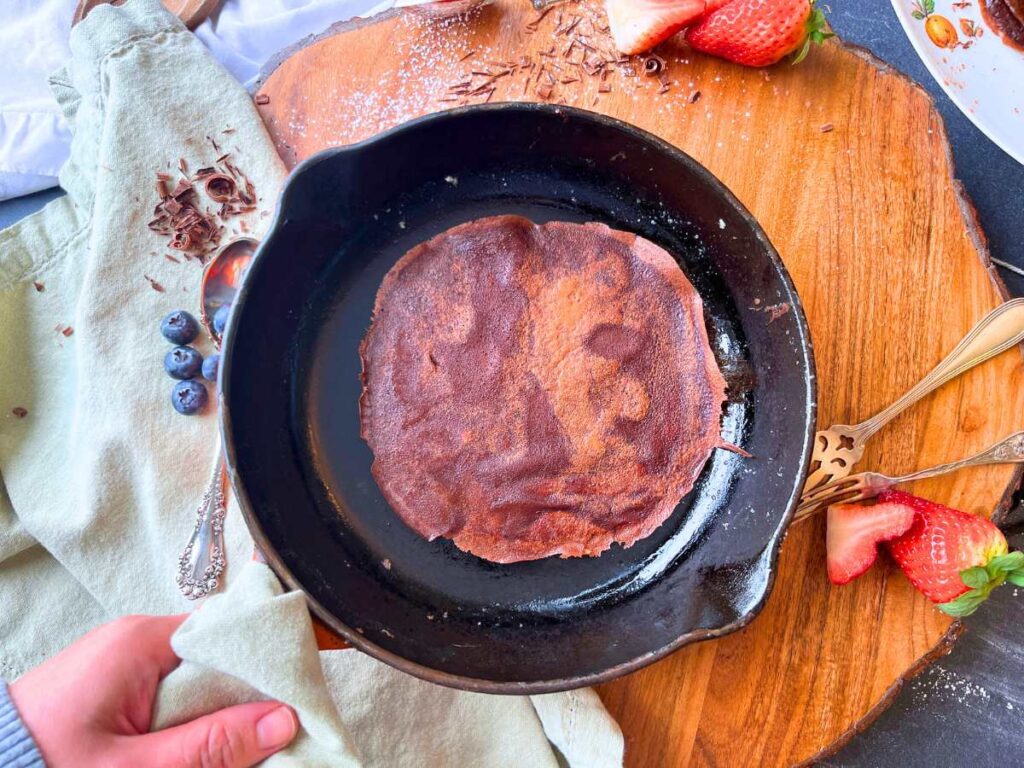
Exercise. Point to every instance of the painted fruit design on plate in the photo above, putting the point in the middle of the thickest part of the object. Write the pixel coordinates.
(939, 29)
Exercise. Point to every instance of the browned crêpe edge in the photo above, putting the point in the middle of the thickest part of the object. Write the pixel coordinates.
(1006, 18)
(538, 390)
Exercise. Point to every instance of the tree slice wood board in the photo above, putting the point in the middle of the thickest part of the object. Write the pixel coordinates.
(846, 165)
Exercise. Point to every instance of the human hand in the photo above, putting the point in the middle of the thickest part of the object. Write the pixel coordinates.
(92, 705)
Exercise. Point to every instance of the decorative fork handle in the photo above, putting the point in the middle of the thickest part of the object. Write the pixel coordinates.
(203, 560)
(999, 330)
(1009, 450)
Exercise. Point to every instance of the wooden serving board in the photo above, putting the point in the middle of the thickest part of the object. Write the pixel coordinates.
(846, 165)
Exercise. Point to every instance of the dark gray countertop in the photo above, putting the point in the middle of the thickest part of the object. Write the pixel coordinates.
(968, 708)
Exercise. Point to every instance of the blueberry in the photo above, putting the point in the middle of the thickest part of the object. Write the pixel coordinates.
(188, 397)
(183, 362)
(179, 327)
(220, 318)
(211, 366)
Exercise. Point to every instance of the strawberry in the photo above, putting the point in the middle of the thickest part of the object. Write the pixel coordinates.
(757, 33)
(639, 25)
(854, 532)
(954, 558)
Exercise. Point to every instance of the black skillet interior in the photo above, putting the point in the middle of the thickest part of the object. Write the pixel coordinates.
(290, 387)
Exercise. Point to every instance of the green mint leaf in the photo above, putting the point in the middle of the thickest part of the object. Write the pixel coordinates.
(975, 578)
(1016, 578)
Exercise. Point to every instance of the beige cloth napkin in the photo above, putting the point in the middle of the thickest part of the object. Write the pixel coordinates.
(101, 476)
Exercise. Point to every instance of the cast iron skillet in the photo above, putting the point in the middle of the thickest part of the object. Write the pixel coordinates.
(290, 387)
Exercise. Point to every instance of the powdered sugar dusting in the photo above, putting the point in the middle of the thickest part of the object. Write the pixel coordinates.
(943, 683)
(439, 63)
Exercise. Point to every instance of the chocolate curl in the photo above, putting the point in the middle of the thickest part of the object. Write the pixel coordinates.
(220, 187)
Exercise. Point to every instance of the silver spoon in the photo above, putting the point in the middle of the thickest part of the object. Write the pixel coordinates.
(204, 558)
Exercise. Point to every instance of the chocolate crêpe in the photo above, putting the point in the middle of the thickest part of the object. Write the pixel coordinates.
(538, 390)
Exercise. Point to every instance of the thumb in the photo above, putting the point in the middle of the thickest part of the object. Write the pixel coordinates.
(236, 737)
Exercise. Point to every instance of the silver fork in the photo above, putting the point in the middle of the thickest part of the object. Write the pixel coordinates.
(866, 485)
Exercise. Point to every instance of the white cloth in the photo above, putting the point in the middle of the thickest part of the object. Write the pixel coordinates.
(34, 137)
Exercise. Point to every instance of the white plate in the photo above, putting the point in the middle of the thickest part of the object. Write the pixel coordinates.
(985, 79)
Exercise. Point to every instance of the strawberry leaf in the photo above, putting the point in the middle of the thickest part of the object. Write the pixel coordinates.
(964, 605)
(975, 578)
(929, 6)
(1011, 561)
(816, 31)
(917, 15)
(1016, 578)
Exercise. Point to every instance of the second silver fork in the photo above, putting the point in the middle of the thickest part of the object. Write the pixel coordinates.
(866, 485)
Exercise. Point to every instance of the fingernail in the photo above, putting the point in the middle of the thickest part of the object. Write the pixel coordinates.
(276, 728)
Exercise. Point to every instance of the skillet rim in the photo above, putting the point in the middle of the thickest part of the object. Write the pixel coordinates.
(772, 545)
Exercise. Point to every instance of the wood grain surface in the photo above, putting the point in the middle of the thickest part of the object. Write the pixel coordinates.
(846, 165)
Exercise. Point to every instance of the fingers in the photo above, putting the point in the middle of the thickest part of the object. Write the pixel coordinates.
(236, 737)
(149, 638)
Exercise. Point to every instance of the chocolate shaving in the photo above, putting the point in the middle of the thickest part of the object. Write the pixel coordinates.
(183, 191)
(826, 128)
(19, 412)
(532, 25)
(571, 27)
(262, 99)
(193, 231)
(171, 258)
(220, 187)
(38, 286)
(182, 241)
(695, 97)
(654, 64)
(154, 284)
(775, 311)
(587, 47)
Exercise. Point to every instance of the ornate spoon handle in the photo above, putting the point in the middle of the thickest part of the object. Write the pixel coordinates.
(1009, 450)
(203, 560)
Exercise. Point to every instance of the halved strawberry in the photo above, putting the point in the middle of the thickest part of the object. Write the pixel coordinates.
(954, 558)
(639, 25)
(757, 33)
(854, 532)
